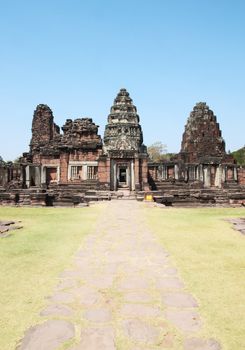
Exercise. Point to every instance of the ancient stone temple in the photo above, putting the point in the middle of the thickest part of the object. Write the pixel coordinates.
(77, 155)
(71, 165)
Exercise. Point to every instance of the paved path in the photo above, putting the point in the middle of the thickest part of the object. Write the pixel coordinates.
(122, 293)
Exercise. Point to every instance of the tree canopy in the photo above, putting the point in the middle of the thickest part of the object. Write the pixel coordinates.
(239, 156)
(157, 151)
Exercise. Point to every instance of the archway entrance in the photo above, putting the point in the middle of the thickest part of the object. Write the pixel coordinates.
(122, 176)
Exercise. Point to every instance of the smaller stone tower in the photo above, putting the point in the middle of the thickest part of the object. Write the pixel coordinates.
(43, 127)
(202, 136)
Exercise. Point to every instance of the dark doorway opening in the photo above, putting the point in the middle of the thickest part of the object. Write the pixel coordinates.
(123, 175)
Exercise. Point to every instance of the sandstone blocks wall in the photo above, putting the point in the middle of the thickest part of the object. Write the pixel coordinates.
(241, 176)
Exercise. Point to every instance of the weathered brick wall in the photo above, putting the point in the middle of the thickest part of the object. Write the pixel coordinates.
(104, 170)
(49, 161)
(85, 155)
(241, 176)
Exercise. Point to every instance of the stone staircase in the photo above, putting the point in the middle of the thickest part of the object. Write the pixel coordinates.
(125, 194)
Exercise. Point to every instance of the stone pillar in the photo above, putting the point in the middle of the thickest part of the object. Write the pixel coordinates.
(176, 172)
(136, 173)
(207, 178)
(218, 174)
(43, 174)
(113, 175)
(115, 170)
(235, 174)
(144, 174)
(128, 176)
(159, 172)
(201, 173)
(85, 171)
(64, 162)
(37, 175)
(132, 187)
(28, 176)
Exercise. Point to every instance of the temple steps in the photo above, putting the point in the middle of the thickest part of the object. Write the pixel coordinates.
(75, 195)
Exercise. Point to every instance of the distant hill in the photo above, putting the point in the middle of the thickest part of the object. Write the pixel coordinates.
(239, 156)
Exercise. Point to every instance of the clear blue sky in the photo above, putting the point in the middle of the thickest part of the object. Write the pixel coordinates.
(75, 55)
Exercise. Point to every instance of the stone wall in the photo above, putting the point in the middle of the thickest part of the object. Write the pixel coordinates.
(241, 175)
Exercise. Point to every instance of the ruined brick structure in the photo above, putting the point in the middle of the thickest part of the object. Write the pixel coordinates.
(202, 159)
(202, 140)
(62, 158)
(63, 168)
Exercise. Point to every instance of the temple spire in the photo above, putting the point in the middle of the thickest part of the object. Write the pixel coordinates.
(123, 131)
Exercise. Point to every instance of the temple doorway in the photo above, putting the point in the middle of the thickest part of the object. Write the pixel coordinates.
(123, 176)
(51, 175)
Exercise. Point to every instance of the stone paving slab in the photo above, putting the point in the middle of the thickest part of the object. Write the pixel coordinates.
(185, 320)
(141, 331)
(96, 339)
(138, 297)
(182, 300)
(139, 310)
(48, 336)
(57, 310)
(201, 344)
(98, 315)
(123, 284)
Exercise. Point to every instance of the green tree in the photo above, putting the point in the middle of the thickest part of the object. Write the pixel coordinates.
(239, 156)
(157, 151)
(2, 162)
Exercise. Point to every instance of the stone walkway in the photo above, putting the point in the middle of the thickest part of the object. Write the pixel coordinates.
(122, 293)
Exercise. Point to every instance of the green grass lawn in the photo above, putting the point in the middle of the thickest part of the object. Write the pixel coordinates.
(210, 256)
(32, 258)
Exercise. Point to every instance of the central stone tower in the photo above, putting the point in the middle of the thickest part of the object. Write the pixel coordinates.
(123, 145)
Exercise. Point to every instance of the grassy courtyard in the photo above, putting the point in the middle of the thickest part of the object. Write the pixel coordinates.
(32, 258)
(210, 256)
(208, 253)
